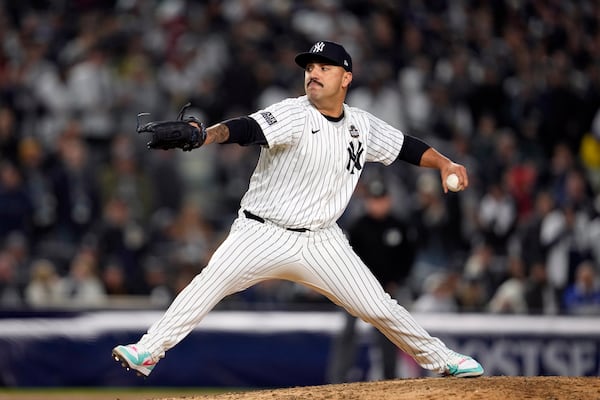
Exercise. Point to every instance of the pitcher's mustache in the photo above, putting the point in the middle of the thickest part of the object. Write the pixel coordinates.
(315, 81)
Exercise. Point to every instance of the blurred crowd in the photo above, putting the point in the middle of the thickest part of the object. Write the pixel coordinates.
(509, 88)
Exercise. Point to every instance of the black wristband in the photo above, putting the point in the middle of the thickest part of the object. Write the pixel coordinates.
(412, 150)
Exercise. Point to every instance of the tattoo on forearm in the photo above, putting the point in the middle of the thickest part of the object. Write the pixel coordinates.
(218, 133)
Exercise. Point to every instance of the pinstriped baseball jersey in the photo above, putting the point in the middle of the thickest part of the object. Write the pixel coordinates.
(306, 175)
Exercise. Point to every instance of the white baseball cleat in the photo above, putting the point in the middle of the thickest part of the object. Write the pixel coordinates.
(133, 356)
(462, 366)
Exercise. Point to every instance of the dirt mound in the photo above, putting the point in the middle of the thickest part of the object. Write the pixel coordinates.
(487, 388)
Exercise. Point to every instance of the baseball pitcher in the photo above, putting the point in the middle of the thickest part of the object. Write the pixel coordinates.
(313, 149)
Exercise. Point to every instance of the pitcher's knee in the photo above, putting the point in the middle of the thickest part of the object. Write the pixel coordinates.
(384, 315)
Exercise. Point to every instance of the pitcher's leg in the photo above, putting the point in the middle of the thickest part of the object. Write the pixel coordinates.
(190, 306)
(216, 281)
(344, 278)
(243, 259)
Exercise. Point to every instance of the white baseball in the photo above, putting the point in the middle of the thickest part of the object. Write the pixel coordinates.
(452, 183)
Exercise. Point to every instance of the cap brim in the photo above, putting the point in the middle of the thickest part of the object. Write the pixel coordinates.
(303, 59)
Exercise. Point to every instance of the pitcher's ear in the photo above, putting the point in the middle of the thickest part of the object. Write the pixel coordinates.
(347, 79)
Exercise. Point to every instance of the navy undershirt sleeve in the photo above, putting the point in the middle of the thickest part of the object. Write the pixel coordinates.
(412, 150)
(245, 131)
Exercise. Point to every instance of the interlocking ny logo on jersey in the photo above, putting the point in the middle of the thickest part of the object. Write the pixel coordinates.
(318, 47)
(354, 157)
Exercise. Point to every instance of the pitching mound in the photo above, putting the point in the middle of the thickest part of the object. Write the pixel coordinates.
(488, 388)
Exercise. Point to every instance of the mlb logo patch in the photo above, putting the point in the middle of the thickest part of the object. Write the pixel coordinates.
(268, 117)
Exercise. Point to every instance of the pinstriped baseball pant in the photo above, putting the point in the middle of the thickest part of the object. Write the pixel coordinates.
(323, 260)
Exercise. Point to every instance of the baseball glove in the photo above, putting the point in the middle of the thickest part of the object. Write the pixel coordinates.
(174, 134)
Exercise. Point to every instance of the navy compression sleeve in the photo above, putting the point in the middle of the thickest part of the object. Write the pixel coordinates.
(245, 131)
(412, 150)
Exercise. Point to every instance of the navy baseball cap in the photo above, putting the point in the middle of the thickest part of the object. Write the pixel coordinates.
(328, 52)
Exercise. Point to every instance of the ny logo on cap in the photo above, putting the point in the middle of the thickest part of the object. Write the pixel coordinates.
(318, 47)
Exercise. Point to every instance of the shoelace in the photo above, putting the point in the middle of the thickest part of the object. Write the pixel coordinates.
(456, 358)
